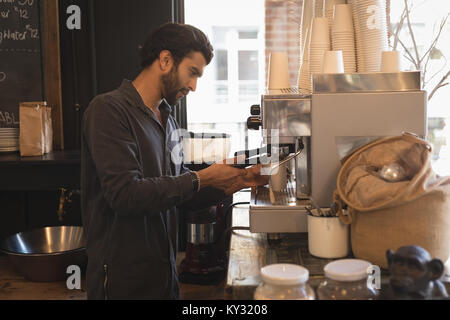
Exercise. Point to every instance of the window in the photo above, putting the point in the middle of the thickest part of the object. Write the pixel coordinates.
(244, 32)
(235, 79)
(426, 17)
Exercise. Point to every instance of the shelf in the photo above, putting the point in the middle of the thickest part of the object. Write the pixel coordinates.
(46, 173)
(56, 157)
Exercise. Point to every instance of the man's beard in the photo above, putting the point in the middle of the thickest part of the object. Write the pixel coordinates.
(171, 86)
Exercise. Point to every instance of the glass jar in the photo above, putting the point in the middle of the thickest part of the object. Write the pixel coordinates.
(346, 279)
(284, 282)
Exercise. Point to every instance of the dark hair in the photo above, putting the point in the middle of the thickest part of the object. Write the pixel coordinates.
(179, 39)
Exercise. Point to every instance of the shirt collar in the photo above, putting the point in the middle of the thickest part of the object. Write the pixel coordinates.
(128, 88)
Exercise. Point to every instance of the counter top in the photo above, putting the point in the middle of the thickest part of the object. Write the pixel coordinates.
(249, 252)
(14, 286)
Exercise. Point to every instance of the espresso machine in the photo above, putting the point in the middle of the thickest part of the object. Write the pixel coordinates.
(343, 112)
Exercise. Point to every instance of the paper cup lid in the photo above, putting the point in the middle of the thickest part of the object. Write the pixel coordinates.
(284, 274)
(347, 270)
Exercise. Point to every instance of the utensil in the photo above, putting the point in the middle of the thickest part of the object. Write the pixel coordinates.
(43, 255)
(328, 237)
(315, 206)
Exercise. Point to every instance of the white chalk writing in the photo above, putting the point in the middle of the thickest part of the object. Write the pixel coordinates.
(7, 118)
(16, 35)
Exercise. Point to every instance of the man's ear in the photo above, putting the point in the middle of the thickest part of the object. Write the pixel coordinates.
(435, 268)
(165, 60)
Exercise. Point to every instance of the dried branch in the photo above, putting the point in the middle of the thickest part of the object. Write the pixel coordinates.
(410, 58)
(412, 34)
(399, 28)
(436, 73)
(435, 41)
(439, 85)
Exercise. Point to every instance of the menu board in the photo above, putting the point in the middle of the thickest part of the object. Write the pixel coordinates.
(21, 75)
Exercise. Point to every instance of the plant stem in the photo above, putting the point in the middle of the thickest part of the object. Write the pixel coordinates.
(439, 85)
(412, 34)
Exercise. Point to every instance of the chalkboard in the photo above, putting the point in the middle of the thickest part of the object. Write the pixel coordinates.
(21, 69)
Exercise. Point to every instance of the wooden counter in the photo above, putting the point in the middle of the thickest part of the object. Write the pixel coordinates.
(13, 286)
(250, 252)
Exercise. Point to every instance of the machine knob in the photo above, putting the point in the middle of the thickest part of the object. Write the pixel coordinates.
(253, 123)
(255, 110)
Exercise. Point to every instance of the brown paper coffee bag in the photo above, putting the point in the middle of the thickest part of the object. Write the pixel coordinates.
(32, 128)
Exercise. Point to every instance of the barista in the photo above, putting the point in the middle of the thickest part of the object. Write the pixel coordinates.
(131, 185)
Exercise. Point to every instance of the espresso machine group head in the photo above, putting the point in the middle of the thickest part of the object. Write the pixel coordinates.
(285, 119)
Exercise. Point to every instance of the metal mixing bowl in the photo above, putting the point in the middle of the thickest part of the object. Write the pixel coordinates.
(43, 255)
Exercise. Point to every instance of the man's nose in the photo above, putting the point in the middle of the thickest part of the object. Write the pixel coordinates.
(193, 85)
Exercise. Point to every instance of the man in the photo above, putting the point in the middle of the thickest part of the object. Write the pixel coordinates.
(130, 183)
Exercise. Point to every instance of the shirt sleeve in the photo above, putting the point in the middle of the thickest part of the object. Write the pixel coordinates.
(114, 152)
(205, 197)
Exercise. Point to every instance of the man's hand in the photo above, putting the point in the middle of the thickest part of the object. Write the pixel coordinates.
(230, 179)
(221, 175)
(252, 178)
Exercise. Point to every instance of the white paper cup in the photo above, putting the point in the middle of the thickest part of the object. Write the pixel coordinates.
(320, 33)
(328, 237)
(278, 71)
(390, 61)
(343, 20)
(333, 62)
(278, 177)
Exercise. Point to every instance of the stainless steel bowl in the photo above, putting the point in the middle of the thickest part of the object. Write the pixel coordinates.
(44, 254)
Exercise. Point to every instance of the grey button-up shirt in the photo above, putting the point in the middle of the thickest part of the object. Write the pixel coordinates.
(130, 190)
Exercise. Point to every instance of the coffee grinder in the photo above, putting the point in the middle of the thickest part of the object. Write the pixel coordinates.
(203, 238)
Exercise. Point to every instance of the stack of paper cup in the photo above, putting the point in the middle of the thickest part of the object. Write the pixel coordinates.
(358, 41)
(333, 62)
(320, 43)
(305, 26)
(390, 61)
(319, 8)
(373, 31)
(329, 10)
(278, 71)
(304, 75)
(343, 36)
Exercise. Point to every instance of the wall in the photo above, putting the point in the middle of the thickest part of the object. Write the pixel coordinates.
(94, 60)
(98, 57)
